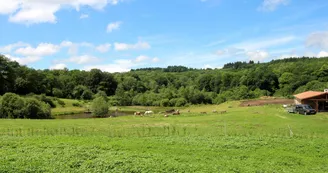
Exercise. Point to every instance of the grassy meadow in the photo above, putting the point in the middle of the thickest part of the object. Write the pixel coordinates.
(245, 139)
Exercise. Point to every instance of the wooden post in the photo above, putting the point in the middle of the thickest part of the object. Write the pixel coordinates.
(317, 106)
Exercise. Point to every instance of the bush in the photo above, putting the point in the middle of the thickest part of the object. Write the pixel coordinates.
(57, 93)
(35, 109)
(12, 106)
(77, 105)
(61, 103)
(87, 95)
(45, 99)
(101, 94)
(181, 102)
(113, 101)
(165, 102)
(99, 107)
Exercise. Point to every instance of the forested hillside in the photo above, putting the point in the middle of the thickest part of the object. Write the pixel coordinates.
(171, 86)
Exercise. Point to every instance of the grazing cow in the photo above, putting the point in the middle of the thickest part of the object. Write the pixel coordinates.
(214, 111)
(203, 112)
(137, 113)
(222, 112)
(148, 113)
(176, 112)
(170, 111)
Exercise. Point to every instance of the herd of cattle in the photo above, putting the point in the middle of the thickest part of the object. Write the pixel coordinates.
(172, 112)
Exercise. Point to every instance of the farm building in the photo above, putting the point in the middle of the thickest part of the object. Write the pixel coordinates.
(317, 100)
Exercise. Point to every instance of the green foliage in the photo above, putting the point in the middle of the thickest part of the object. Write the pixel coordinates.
(12, 106)
(180, 102)
(165, 102)
(46, 99)
(61, 103)
(148, 86)
(76, 104)
(57, 93)
(87, 95)
(101, 94)
(99, 107)
(35, 109)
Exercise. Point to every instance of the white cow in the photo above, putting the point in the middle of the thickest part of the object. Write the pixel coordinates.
(148, 113)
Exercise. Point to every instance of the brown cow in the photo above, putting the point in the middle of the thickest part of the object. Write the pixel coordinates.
(137, 113)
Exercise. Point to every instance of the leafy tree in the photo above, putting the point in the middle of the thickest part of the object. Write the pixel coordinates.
(87, 95)
(57, 93)
(99, 107)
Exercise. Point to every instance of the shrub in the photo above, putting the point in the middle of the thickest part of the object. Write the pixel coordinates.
(57, 93)
(87, 95)
(165, 102)
(61, 103)
(12, 106)
(45, 99)
(35, 109)
(77, 104)
(181, 102)
(99, 107)
(101, 94)
(113, 101)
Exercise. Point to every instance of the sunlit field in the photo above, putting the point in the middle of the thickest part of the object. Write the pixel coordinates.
(244, 139)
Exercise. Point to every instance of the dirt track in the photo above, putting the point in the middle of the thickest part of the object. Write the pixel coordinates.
(266, 102)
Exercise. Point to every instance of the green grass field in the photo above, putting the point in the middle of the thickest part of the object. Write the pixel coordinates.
(248, 139)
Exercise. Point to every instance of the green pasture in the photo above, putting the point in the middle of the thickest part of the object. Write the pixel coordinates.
(244, 139)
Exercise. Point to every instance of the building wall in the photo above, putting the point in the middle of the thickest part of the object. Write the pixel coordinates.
(297, 102)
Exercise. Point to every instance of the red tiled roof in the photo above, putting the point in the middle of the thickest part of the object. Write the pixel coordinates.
(308, 94)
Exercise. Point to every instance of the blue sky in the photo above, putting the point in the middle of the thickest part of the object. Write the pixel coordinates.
(119, 35)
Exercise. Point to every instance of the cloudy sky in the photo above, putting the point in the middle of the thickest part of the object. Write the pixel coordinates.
(119, 35)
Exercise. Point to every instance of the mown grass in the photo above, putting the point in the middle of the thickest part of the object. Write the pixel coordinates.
(249, 139)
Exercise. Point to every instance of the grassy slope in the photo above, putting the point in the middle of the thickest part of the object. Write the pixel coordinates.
(242, 140)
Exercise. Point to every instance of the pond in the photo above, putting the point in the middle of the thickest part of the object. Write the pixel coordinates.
(89, 115)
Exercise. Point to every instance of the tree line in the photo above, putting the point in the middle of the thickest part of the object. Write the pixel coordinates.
(171, 86)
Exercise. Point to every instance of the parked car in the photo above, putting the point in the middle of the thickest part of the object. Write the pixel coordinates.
(291, 109)
(305, 109)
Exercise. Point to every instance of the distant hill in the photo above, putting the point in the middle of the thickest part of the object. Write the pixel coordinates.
(173, 85)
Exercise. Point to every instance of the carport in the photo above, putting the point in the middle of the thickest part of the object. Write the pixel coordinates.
(317, 100)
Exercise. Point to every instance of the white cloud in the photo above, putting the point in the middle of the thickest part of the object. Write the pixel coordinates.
(155, 59)
(42, 11)
(117, 66)
(271, 5)
(58, 66)
(10, 47)
(141, 58)
(318, 40)
(84, 16)
(25, 60)
(113, 26)
(322, 54)
(73, 48)
(103, 47)
(84, 59)
(264, 43)
(42, 49)
(138, 46)
(283, 56)
(257, 55)
(207, 66)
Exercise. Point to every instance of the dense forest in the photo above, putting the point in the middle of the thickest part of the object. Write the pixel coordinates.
(171, 86)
